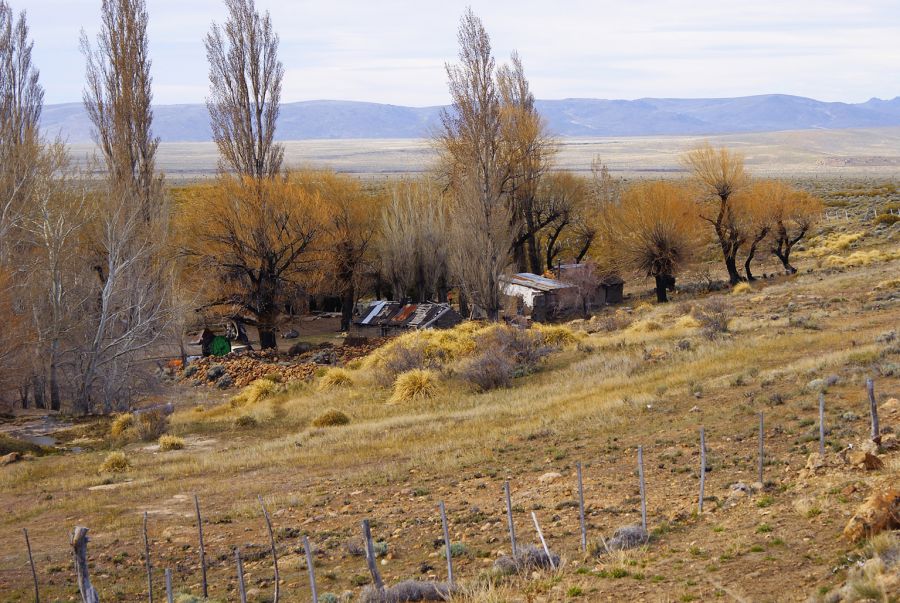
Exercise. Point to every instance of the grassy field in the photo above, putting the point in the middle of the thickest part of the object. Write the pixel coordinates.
(822, 153)
(637, 375)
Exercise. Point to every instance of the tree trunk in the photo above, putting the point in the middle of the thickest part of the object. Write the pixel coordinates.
(463, 304)
(347, 308)
(661, 283)
(734, 277)
(533, 256)
(268, 339)
(39, 390)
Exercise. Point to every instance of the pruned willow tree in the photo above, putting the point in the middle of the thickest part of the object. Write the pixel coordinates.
(130, 309)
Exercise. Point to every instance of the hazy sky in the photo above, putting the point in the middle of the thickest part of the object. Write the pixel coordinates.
(394, 51)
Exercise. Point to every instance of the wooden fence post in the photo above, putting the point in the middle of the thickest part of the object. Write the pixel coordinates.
(762, 447)
(37, 595)
(873, 411)
(311, 569)
(702, 468)
(147, 560)
(537, 527)
(242, 592)
(79, 550)
(446, 531)
(202, 549)
(581, 508)
(643, 488)
(822, 424)
(274, 551)
(509, 519)
(169, 597)
(370, 556)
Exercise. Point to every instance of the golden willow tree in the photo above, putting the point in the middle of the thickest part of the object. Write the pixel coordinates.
(654, 231)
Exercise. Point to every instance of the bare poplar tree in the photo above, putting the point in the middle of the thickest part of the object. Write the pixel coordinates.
(245, 90)
(21, 101)
(476, 161)
(118, 99)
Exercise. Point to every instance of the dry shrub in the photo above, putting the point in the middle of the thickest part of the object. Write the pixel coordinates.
(170, 442)
(335, 377)
(645, 326)
(889, 219)
(120, 424)
(713, 316)
(829, 244)
(490, 370)
(151, 425)
(741, 288)
(245, 422)
(890, 284)
(687, 322)
(256, 391)
(115, 462)
(416, 384)
(331, 418)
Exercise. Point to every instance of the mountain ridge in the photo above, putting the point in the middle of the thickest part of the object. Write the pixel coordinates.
(569, 117)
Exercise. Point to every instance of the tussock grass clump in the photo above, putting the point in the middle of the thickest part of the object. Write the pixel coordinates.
(889, 219)
(120, 424)
(335, 377)
(557, 335)
(245, 422)
(253, 393)
(416, 384)
(687, 322)
(829, 244)
(741, 289)
(170, 442)
(331, 418)
(115, 462)
(644, 326)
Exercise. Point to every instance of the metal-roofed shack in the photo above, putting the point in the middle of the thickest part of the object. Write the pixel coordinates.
(387, 317)
(542, 298)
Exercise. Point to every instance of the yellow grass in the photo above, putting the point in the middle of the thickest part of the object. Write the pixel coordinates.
(120, 424)
(416, 384)
(170, 442)
(861, 258)
(741, 288)
(115, 462)
(335, 377)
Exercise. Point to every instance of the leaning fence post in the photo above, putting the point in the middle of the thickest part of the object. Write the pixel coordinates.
(873, 410)
(370, 556)
(581, 508)
(762, 447)
(821, 424)
(312, 570)
(202, 549)
(643, 488)
(447, 543)
(169, 596)
(537, 527)
(37, 596)
(79, 549)
(702, 468)
(274, 551)
(147, 560)
(240, 573)
(509, 519)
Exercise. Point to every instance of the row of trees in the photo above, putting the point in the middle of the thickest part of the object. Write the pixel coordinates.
(99, 277)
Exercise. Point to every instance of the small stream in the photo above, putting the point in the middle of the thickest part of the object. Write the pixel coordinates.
(38, 431)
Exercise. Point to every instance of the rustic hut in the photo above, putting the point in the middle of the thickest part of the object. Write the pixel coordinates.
(541, 298)
(387, 317)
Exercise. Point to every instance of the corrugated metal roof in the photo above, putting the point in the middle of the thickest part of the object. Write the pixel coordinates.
(395, 314)
(535, 281)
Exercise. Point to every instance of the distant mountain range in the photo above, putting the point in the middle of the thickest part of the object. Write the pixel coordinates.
(326, 119)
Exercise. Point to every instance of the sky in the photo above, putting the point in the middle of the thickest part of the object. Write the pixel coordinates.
(394, 51)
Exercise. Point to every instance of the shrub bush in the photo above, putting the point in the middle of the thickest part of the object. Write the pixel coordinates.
(151, 425)
(741, 288)
(713, 317)
(336, 377)
(115, 462)
(416, 384)
(170, 442)
(888, 219)
(254, 392)
(525, 348)
(557, 335)
(120, 424)
(490, 370)
(331, 418)
(245, 422)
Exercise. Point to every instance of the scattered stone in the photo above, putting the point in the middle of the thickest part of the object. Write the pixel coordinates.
(880, 512)
(736, 493)
(549, 477)
(291, 334)
(831, 380)
(695, 409)
(869, 446)
(804, 505)
(890, 407)
(864, 460)
(849, 416)
(225, 381)
(215, 371)
(889, 442)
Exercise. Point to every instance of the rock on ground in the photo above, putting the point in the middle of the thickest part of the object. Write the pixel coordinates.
(880, 512)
